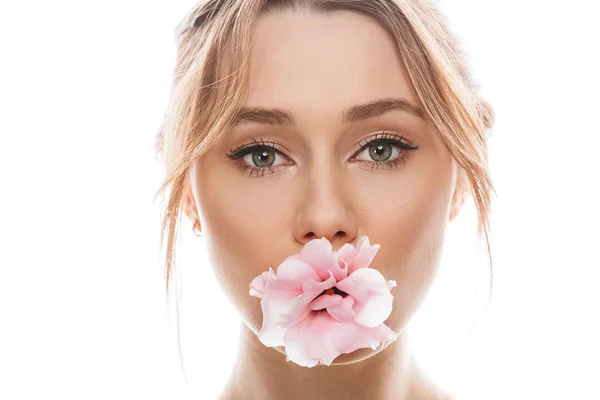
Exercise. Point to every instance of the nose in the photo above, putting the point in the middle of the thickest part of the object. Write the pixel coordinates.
(325, 210)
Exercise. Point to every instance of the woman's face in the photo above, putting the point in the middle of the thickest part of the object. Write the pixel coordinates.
(319, 179)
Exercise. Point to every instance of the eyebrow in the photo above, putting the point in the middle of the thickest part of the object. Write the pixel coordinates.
(359, 112)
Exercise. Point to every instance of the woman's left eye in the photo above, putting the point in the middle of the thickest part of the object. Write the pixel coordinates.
(380, 149)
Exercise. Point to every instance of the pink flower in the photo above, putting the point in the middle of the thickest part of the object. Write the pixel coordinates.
(320, 303)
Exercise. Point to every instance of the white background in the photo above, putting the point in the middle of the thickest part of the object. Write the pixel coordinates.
(83, 86)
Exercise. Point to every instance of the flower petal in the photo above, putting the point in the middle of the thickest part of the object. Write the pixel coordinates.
(374, 311)
(320, 339)
(325, 301)
(297, 271)
(343, 312)
(273, 303)
(352, 336)
(339, 268)
(364, 255)
(347, 253)
(259, 285)
(308, 343)
(361, 282)
(317, 288)
(296, 310)
(319, 254)
(278, 283)
(372, 295)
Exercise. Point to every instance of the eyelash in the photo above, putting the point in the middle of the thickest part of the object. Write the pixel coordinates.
(262, 145)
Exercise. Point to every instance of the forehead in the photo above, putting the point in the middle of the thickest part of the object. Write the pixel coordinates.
(322, 63)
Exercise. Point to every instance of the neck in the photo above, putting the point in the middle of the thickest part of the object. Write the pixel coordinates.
(263, 373)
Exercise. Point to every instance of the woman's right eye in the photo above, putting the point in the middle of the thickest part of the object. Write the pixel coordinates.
(257, 159)
(261, 157)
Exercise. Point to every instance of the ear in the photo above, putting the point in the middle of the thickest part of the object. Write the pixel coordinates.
(460, 194)
(189, 205)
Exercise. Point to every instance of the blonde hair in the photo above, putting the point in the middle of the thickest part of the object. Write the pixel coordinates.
(202, 106)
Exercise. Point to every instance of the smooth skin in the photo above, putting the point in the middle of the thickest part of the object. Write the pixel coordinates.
(315, 67)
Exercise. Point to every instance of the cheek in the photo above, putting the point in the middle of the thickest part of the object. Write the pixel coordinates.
(236, 242)
(414, 234)
(236, 257)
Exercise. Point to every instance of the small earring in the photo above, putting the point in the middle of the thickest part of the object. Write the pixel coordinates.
(197, 230)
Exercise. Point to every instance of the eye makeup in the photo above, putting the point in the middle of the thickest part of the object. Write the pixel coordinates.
(268, 151)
